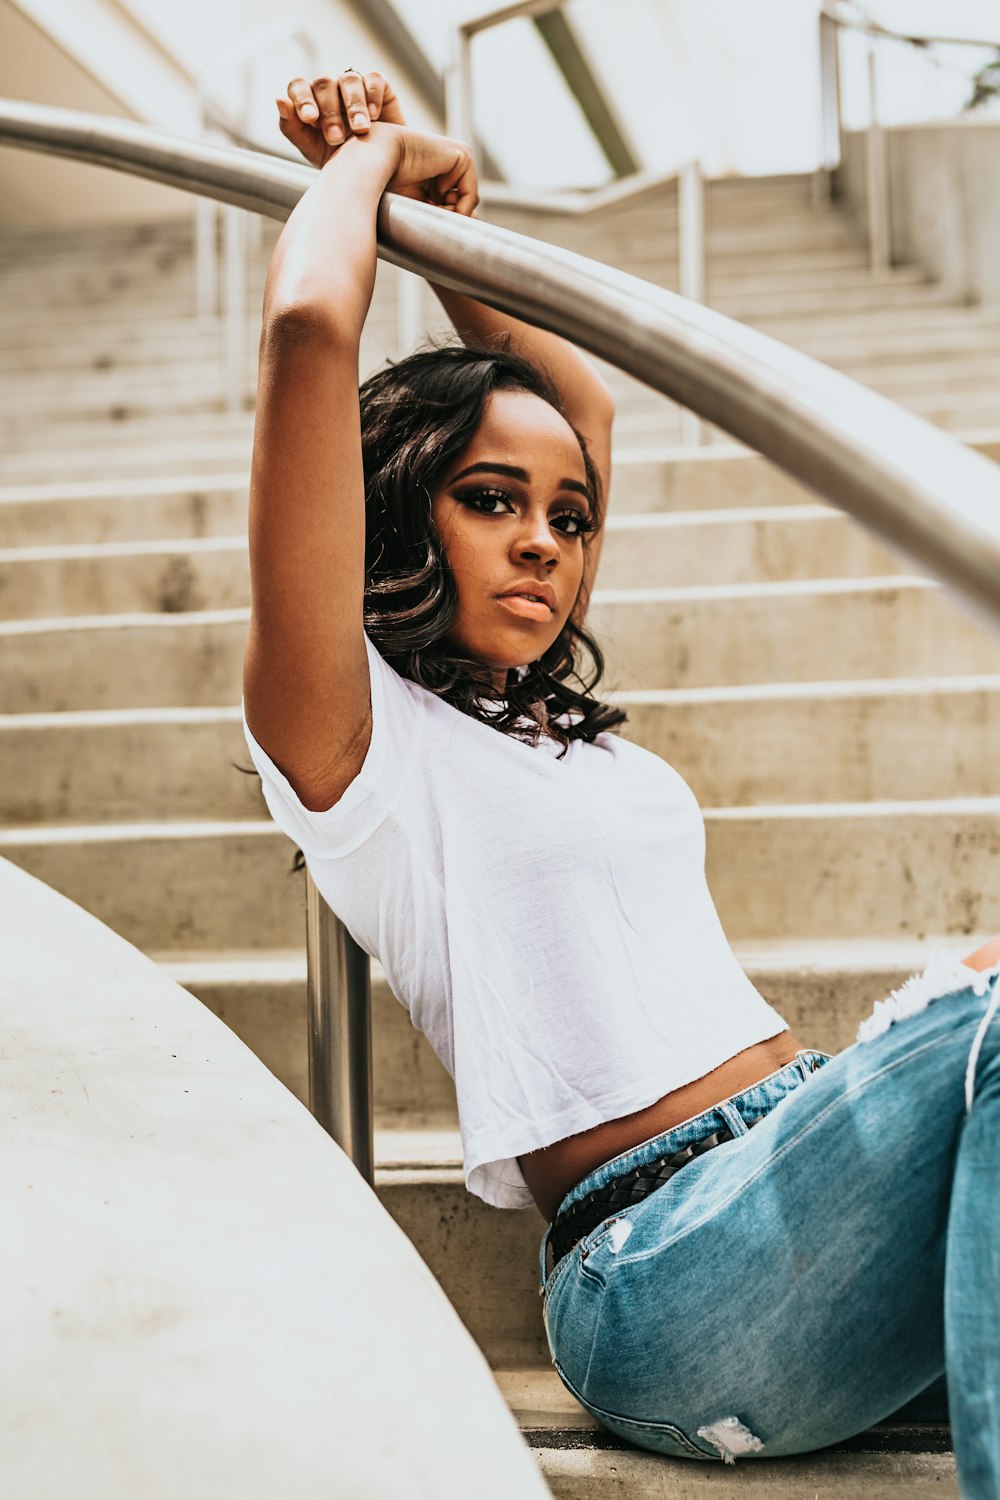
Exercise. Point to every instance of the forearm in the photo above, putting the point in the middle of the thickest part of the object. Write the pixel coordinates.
(586, 398)
(324, 260)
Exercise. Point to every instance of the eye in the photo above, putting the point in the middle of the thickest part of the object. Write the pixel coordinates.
(581, 522)
(477, 498)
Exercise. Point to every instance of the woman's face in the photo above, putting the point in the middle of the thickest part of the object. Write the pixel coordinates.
(509, 515)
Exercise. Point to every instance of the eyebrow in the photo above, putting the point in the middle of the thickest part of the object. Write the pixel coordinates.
(513, 472)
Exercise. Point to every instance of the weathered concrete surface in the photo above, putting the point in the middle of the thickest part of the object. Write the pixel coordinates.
(201, 1296)
(631, 1475)
(944, 199)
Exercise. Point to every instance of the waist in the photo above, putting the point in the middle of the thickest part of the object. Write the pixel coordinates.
(551, 1171)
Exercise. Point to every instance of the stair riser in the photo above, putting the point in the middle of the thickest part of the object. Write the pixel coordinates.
(88, 773)
(828, 749)
(757, 307)
(139, 460)
(196, 512)
(800, 636)
(791, 749)
(409, 1080)
(829, 875)
(169, 583)
(184, 661)
(582, 1474)
(644, 557)
(823, 1009)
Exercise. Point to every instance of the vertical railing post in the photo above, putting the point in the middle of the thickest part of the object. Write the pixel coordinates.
(877, 185)
(234, 309)
(691, 254)
(458, 88)
(340, 1033)
(831, 125)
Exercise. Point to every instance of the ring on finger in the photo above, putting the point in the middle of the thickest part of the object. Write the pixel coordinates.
(344, 71)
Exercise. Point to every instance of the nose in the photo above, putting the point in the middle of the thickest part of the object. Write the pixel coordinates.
(536, 539)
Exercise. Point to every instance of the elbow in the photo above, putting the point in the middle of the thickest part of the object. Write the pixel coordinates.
(290, 324)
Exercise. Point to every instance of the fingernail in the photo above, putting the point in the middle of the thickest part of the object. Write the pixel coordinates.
(309, 111)
(334, 135)
(360, 119)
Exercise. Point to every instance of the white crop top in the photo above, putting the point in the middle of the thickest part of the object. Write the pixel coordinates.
(546, 922)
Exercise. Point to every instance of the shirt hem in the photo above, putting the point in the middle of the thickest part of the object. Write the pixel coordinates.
(557, 1128)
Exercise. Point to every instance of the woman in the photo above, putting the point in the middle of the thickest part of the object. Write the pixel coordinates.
(755, 1249)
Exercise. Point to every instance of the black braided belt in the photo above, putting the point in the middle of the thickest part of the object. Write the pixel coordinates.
(576, 1223)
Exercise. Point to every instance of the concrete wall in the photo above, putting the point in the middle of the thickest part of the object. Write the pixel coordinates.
(201, 1296)
(37, 189)
(944, 201)
(140, 61)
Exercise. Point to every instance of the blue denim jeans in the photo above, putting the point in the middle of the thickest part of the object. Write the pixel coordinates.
(801, 1282)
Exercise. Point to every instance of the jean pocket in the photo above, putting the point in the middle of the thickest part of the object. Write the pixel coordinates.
(657, 1437)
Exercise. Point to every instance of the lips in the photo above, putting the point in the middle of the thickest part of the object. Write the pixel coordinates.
(542, 593)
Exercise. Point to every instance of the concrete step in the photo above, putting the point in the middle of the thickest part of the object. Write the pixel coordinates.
(580, 1459)
(824, 991)
(94, 454)
(656, 478)
(876, 324)
(716, 547)
(174, 764)
(578, 1468)
(813, 631)
(738, 634)
(828, 870)
(755, 307)
(109, 510)
(808, 742)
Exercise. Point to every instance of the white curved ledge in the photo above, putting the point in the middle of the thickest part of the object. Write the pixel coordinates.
(201, 1296)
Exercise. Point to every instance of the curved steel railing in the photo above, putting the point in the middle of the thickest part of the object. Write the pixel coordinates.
(914, 487)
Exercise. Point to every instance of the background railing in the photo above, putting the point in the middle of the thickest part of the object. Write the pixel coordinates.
(917, 489)
(832, 23)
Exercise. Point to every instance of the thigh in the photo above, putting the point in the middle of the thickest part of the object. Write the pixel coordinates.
(785, 1290)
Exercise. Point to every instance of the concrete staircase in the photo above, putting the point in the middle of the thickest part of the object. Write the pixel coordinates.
(834, 713)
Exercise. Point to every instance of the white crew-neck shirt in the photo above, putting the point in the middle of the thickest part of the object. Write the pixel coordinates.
(545, 921)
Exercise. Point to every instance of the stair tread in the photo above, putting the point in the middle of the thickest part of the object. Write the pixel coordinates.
(805, 955)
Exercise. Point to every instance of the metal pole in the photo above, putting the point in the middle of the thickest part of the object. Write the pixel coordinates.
(235, 305)
(830, 106)
(877, 182)
(691, 259)
(458, 88)
(340, 1033)
(205, 287)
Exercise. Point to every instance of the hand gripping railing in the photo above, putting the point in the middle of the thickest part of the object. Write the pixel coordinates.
(915, 488)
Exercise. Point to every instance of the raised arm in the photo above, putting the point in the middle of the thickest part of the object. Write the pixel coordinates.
(305, 678)
(318, 118)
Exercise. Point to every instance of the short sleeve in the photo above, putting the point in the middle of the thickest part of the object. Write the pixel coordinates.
(397, 713)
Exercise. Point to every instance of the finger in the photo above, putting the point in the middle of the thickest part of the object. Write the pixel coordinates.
(458, 188)
(303, 137)
(301, 94)
(355, 102)
(331, 119)
(374, 93)
(391, 112)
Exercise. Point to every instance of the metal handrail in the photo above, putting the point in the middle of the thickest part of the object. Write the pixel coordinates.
(913, 486)
(831, 22)
(914, 38)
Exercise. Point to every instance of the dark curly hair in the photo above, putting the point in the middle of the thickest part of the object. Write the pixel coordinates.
(417, 416)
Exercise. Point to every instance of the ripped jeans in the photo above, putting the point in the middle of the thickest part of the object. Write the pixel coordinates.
(801, 1282)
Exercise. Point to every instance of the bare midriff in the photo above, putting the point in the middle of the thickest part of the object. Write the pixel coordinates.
(552, 1171)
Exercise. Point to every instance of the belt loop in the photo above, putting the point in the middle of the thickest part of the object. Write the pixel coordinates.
(542, 1273)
